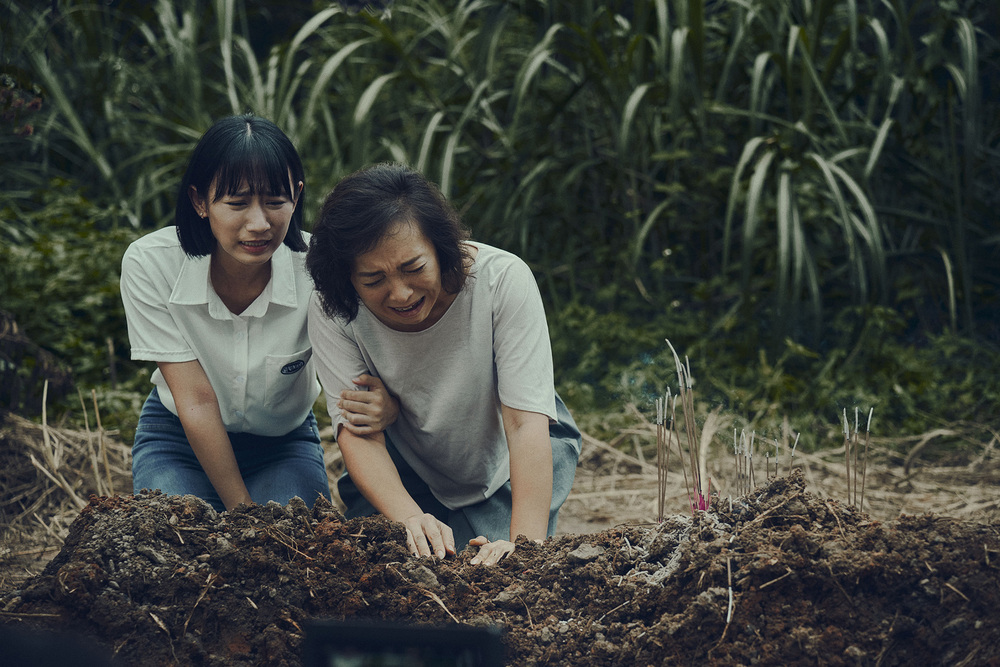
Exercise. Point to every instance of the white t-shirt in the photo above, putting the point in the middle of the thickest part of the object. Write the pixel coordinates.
(491, 347)
(258, 362)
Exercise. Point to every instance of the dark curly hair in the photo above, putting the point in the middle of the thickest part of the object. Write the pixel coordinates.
(238, 150)
(360, 211)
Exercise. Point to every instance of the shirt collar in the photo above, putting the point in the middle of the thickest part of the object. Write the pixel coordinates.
(283, 287)
(193, 286)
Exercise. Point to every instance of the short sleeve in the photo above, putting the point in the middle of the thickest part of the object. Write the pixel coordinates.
(522, 353)
(152, 332)
(338, 357)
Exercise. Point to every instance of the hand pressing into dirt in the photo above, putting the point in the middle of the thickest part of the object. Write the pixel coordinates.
(368, 409)
(490, 553)
(426, 536)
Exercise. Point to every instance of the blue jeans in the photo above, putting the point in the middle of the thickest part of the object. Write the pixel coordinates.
(490, 517)
(274, 468)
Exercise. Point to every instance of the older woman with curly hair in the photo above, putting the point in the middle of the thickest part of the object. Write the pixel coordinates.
(483, 449)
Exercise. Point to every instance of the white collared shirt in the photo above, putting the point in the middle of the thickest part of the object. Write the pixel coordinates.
(258, 362)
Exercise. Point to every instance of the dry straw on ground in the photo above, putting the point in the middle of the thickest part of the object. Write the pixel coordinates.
(48, 473)
(616, 483)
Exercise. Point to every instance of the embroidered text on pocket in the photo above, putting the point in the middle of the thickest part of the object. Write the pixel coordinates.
(293, 367)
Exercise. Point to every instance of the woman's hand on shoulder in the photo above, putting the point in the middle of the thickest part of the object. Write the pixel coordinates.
(427, 536)
(368, 409)
(490, 553)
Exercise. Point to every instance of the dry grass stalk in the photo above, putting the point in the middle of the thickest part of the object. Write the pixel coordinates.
(662, 453)
(745, 445)
(791, 458)
(856, 467)
(864, 472)
(713, 422)
(739, 469)
(52, 455)
(744, 448)
(854, 462)
(700, 493)
(777, 457)
(50, 471)
(99, 453)
(672, 435)
(847, 456)
(109, 488)
(201, 596)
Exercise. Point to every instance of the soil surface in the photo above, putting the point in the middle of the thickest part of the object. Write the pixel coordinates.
(780, 576)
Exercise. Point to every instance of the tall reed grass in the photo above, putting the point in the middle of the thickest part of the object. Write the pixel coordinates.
(766, 159)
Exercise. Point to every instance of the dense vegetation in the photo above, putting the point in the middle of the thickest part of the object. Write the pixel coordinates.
(800, 194)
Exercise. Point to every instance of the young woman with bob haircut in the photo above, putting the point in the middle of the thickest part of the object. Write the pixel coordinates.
(219, 301)
(483, 449)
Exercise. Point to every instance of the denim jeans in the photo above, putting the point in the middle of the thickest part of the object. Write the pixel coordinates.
(273, 468)
(490, 517)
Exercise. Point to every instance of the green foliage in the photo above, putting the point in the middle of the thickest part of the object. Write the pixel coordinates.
(799, 194)
(62, 285)
(593, 349)
(913, 383)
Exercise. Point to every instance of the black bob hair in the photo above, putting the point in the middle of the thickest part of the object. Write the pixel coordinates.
(360, 211)
(238, 151)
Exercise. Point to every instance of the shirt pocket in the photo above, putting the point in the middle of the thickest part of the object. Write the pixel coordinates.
(288, 377)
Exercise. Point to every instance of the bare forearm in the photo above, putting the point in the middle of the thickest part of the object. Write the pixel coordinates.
(205, 431)
(198, 410)
(375, 475)
(530, 475)
(373, 472)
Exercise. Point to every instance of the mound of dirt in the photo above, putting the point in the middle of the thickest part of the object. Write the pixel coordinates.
(777, 577)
